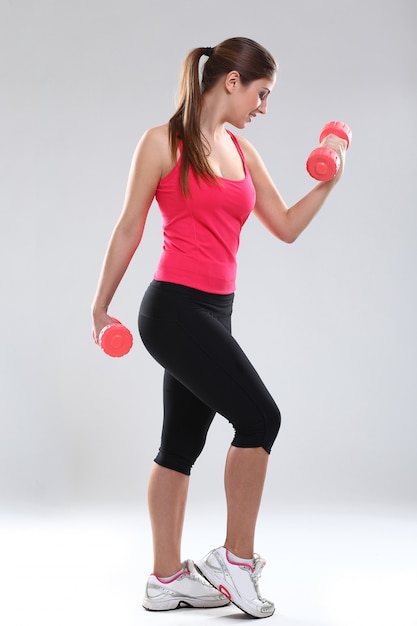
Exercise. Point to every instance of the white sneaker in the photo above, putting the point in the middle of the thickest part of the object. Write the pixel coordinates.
(185, 589)
(237, 580)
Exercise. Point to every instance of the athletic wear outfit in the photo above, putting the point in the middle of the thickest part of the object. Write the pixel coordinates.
(185, 320)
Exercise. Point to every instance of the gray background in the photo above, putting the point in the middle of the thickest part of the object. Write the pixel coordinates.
(329, 321)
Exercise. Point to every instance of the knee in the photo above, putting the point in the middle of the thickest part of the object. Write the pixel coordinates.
(180, 457)
(272, 426)
(259, 431)
(174, 462)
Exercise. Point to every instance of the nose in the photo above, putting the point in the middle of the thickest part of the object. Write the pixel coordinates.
(262, 107)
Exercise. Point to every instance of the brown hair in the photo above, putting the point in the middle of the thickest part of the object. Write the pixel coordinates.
(247, 57)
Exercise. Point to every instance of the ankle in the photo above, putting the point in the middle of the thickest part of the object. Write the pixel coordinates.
(242, 552)
(171, 578)
(167, 571)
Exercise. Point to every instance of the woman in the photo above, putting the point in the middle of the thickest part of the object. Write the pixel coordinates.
(206, 182)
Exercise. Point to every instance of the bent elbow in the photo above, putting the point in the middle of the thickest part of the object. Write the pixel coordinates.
(288, 237)
(291, 239)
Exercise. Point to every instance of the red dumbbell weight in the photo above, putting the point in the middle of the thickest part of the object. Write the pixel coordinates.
(115, 339)
(323, 163)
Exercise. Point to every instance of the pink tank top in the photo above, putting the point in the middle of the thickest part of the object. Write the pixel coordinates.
(202, 230)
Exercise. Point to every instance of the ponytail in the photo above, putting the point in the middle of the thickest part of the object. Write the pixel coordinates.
(184, 125)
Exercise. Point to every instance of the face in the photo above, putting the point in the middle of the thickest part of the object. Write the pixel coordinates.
(251, 100)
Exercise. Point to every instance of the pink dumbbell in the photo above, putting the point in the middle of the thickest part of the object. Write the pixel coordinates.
(323, 163)
(115, 339)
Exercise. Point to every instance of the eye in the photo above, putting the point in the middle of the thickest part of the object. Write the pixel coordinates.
(263, 95)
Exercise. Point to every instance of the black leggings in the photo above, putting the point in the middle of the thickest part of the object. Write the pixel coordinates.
(206, 372)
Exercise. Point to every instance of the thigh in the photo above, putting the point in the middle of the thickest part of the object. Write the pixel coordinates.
(197, 349)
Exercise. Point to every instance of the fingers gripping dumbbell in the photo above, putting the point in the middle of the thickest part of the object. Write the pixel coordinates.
(115, 339)
(323, 163)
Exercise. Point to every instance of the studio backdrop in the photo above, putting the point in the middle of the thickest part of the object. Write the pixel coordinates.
(328, 321)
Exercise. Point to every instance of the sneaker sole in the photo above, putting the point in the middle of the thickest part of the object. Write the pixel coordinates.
(178, 603)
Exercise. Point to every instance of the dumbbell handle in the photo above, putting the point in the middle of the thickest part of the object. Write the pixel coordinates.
(323, 163)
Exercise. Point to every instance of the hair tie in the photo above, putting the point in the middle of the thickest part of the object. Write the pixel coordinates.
(208, 51)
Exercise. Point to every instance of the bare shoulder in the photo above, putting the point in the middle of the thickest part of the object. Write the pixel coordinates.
(155, 139)
(252, 156)
(153, 150)
(157, 135)
(154, 145)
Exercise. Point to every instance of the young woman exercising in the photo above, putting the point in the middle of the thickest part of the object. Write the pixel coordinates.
(206, 182)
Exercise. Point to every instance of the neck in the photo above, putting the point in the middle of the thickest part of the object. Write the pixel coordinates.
(212, 118)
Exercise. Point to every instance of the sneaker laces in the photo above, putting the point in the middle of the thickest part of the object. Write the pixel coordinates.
(259, 564)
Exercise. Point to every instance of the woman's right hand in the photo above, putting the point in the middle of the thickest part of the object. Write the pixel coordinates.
(100, 320)
(339, 145)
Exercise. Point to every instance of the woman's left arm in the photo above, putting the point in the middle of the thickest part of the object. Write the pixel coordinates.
(287, 223)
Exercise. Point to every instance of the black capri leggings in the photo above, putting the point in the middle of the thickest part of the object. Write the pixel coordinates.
(206, 372)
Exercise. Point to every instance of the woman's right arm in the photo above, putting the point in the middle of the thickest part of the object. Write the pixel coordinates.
(144, 176)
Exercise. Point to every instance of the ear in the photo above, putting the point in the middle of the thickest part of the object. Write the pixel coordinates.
(231, 81)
